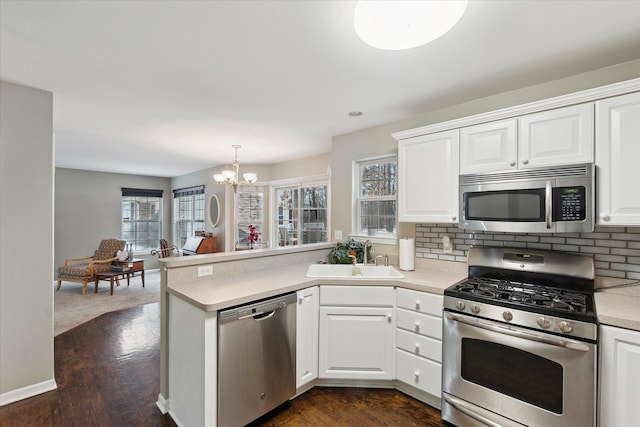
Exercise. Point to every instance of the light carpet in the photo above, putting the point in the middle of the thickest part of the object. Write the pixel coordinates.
(71, 308)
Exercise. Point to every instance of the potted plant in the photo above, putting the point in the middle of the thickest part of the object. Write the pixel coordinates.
(340, 254)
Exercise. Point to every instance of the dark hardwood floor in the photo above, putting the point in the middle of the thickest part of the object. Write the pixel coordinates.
(108, 374)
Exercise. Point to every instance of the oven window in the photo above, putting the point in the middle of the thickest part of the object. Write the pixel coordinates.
(508, 205)
(513, 372)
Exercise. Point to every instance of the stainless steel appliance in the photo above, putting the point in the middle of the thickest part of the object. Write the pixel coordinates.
(547, 200)
(520, 341)
(256, 359)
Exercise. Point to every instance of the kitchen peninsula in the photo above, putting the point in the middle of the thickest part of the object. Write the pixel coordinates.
(190, 306)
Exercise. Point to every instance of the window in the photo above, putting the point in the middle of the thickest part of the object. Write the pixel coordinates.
(376, 197)
(189, 212)
(142, 218)
(250, 206)
(301, 214)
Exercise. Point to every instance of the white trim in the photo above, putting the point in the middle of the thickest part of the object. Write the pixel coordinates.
(302, 180)
(588, 95)
(378, 240)
(163, 404)
(28, 391)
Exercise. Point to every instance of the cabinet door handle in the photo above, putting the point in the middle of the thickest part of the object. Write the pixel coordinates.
(300, 299)
(417, 304)
(525, 162)
(417, 346)
(389, 317)
(417, 325)
(416, 373)
(454, 217)
(605, 217)
(512, 163)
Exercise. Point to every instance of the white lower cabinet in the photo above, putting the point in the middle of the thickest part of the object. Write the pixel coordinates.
(619, 391)
(356, 332)
(307, 336)
(419, 341)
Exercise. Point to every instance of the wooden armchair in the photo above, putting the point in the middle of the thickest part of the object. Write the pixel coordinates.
(85, 272)
(166, 250)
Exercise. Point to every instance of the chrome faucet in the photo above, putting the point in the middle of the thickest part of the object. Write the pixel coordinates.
(366, 256)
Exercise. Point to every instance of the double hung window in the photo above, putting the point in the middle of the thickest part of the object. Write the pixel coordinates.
(142, 218)
(376, 196)
(189, 209)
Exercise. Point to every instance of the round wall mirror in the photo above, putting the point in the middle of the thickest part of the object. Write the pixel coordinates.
(214, 210)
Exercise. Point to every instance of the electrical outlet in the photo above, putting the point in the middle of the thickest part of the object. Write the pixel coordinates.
(337, 234)
(205, 270)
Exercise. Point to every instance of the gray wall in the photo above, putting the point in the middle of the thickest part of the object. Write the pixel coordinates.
(88, 208)
(377, 140)
(26, 246)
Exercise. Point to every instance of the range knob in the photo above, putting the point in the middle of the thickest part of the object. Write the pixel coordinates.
(475, 309)
(506, 315)
(565, 327)
(543, 323)
(460, 305)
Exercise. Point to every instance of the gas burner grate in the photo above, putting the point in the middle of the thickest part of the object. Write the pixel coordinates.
(525, 294)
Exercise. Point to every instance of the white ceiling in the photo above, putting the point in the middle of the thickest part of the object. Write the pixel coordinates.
(166, 87)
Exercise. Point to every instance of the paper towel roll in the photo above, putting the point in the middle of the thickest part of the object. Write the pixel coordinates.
(407, 254)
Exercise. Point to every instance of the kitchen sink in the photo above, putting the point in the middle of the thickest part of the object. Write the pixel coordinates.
(348, 271)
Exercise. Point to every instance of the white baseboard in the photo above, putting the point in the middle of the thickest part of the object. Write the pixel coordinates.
(28, 391)
(162, 404)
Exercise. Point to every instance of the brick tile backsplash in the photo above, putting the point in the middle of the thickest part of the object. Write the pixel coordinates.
(616, 250)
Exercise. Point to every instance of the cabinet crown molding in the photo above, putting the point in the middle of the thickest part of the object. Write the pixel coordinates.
(588, 95)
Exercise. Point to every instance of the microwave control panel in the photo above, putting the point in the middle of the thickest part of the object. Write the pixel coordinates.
(569, 203)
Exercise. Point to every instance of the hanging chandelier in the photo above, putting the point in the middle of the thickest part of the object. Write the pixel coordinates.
(231, 177)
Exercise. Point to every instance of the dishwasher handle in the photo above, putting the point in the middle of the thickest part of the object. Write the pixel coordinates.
(259, 316)
(263, 315)
(260, 310)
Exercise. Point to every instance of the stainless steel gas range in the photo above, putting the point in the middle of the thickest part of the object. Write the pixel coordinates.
(520, 341)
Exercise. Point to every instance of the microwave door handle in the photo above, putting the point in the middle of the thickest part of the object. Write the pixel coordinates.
(548, 198)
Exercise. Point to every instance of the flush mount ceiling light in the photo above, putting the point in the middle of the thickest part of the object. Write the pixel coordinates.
(231, 177)
(398, 25)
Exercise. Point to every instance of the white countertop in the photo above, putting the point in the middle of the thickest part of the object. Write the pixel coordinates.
(618, 307)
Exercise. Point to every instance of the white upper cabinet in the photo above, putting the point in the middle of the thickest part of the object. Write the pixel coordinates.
(618, 160)
(488, 147)
(428, 178)
(556, 137)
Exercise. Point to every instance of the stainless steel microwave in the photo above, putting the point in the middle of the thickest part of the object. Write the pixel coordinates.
(558, 199)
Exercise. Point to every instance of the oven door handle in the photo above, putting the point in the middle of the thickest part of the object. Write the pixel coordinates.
(570, 344)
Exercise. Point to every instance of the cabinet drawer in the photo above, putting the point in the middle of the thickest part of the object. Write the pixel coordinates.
(422, 324)
(421, 302)
(419, 345)
(421, 373)
(354, 296)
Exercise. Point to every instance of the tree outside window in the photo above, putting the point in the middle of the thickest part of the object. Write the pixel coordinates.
(377, 197)
(301, 215)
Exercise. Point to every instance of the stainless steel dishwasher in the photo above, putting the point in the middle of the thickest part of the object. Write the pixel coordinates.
(256, 359)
